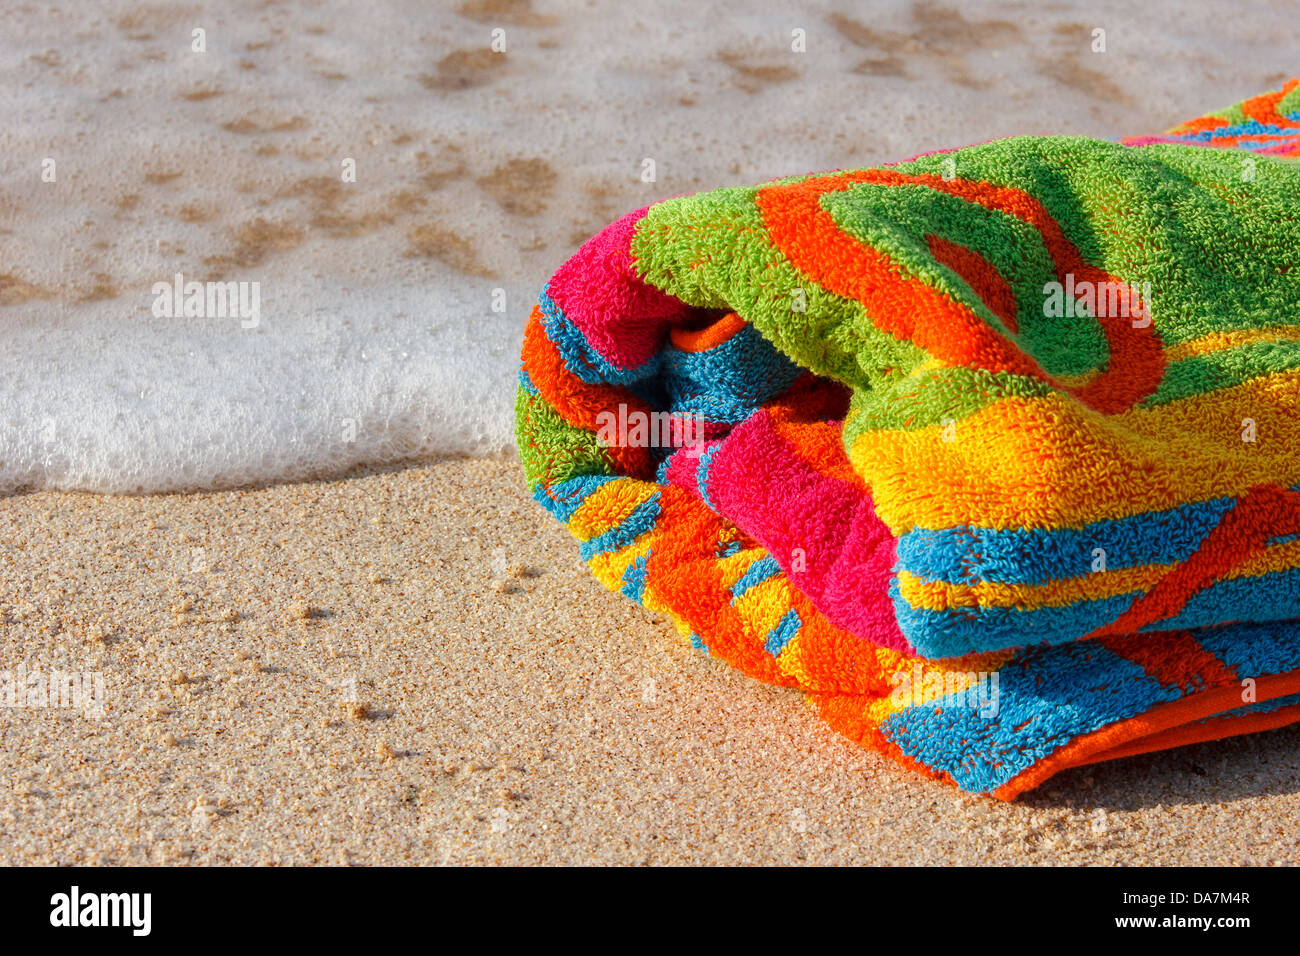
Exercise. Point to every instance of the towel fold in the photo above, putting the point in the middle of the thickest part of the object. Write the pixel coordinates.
(994, 453)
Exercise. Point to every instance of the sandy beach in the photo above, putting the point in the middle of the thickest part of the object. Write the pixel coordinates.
(337, 672)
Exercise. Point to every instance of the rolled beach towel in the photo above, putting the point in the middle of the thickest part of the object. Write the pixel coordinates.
(994, 453)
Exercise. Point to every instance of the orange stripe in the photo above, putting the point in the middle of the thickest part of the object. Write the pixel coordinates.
(844, 714)
(683, 573)
(1176, 659)
(907, 308)
(810, 416)
(711, 336)
(1263, 108)
(1233, 338)
(1263, 513)
(993, 290)
(1200, 125)
(1174, 721)
(1212, 728)
(577, 402)
(950, 331)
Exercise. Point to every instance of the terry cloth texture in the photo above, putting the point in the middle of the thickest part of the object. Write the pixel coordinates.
(993, 452)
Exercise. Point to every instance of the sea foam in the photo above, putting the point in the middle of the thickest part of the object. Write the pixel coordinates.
(161, 404)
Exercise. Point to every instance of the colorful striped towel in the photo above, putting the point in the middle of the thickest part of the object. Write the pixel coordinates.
(994, 453)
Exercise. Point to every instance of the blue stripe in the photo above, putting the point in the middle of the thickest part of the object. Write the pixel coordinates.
(1046, 698)
(1248, 128)
(566, 497)
(714, 408)
(634, 578)
(966, 555)
(1254, 650)
(1270, 597)
(764, 569)
(641, 520)
(781, 635)
(972, 630)
(959, 631)
(580, 358)
(661, 469)
(702, 473)
(726, 549)
(730, 381)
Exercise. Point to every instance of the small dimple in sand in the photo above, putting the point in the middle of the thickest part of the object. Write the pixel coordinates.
(357, 710)
(302, 611)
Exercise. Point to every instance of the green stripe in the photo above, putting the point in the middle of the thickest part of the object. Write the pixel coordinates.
(927, 398)
(1207, 373)
(551, 449)
(713, 251)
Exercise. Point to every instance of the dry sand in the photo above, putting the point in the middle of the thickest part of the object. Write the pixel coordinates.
(330, 672)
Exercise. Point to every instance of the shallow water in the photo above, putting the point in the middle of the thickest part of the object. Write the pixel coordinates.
(390, 307)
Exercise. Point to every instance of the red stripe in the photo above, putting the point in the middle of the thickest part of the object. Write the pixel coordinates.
(1175, 659)
(980, 275)
(1263, 513)
(949, 330)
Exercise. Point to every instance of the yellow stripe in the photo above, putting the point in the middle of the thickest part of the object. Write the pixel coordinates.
(1280, 557)
(790, 661)
(1219, 341)
(762, 606)
(609, 568)
(1090, 586)
(1048, 462)
(1078, 381)
(943, 596)
(608, 506)
(882, 707)
(1205, 345)
(733, 568)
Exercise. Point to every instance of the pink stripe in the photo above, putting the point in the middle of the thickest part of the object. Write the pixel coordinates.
(681, 471)
(599, 291)
(758, 481)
